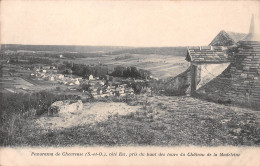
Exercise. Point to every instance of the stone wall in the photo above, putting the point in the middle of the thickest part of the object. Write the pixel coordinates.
(181, 83)
(245, 73)
(240, 82)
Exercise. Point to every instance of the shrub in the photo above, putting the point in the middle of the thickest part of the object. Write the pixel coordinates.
(16, 108)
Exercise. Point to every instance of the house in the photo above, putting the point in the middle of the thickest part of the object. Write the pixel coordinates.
(90, 77)
(77, 82)
(39, 74)
(46, 67)
(51, 78)
(61, 76)
(227, 38)
(208, 69)
(52, 67)
(101, 82)
(239, 83)
(204, 58)
(54, 71)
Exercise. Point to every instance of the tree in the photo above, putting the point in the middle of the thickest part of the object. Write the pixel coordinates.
(85, 87)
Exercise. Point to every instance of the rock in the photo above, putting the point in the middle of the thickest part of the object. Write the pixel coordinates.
(243, 75)
(237, 131)
(53, 111)
(64, 107)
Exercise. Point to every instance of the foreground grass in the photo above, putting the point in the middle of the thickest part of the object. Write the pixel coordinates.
(162, 121)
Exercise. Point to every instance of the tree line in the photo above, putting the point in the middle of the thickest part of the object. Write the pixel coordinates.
(101, 71)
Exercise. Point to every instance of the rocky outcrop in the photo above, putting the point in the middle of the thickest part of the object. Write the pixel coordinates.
(60, 108)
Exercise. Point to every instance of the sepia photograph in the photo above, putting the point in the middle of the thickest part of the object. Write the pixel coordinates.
(129, 74)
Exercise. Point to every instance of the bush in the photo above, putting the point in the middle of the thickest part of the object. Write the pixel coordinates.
(16, 108)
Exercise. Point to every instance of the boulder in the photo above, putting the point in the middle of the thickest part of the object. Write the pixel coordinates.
(65, 107)
(53, 111)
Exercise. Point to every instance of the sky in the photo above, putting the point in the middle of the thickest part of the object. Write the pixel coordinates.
(123, 23)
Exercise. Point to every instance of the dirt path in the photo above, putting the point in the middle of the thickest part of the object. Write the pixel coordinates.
(91, 113)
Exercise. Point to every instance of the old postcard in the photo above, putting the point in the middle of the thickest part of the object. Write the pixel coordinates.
(130, 83)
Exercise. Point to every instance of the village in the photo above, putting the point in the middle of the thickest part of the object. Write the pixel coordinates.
(98, 87)
(50, 78)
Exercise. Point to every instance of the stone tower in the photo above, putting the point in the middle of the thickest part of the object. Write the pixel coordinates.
(245, 70)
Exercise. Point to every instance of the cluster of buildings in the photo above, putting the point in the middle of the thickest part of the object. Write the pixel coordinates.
(99, 90)
(50, 73)
(98, 87)
(109, 86)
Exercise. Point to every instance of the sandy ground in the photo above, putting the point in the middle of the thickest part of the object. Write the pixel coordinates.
(91, 113)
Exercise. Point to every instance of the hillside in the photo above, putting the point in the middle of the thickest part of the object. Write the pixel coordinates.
(110, 50)
(176, 51)
(62, 48)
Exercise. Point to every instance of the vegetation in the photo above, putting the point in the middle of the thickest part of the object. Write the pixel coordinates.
(158, 122)
(62, 48)
(177, 51)
(16, 108)
(131, 72)
(163, 88)
(127, 56)
(30, 60)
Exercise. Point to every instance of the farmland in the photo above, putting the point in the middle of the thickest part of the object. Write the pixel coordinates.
(16, 79)
(163, 62)
(161, 66)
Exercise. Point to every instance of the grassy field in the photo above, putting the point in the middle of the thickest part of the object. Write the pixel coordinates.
(158, 120)
(161, 66)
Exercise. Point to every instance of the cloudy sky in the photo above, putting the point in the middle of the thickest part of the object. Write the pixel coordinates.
(138, 23)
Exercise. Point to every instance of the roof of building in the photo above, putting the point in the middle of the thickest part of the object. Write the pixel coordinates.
(235, 36)
(207, 54)
(227, 38)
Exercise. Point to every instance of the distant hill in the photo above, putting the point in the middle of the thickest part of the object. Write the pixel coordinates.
(62, 48)
(109, 50)
(176, 51)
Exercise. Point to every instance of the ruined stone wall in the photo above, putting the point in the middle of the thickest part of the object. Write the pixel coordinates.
(245, 74)
(240, 82)
(181, 83)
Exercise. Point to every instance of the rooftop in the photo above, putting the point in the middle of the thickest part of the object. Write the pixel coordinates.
(207, 54)
(227, 38)
(235, 36)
